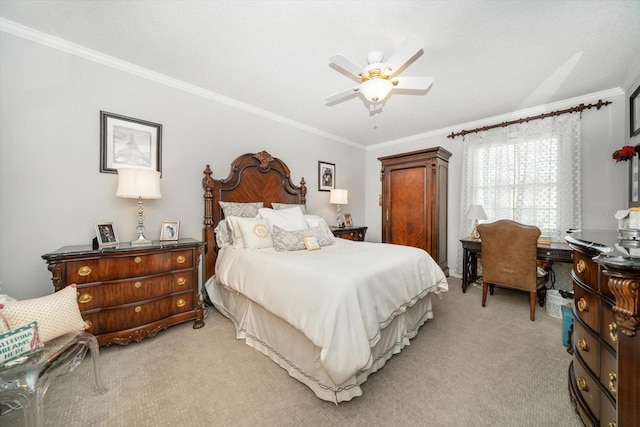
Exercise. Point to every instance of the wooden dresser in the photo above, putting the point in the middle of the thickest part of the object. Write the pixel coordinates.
(130, 293)
(414, 201)
(604, 376)
(350, 233)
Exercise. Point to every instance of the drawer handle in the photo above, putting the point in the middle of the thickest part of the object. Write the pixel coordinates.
(138, 309)
(581, 266)
(181, 303)
(613, 331)
(612, 424)
(181, 259)
(85, 298)
(582, 345)
(137, 260)
(85, 270)
(582, 384)
(138, 284)
(612, 383)
(181, 281)
(582, 305)
(89, 323)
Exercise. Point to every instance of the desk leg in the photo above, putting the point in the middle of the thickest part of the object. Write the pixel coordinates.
(469, 269)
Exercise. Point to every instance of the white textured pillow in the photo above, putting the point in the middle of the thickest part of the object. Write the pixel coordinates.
(255, 233)
(245, 210)
(287, 219)
(57, 314)
(313, 220)
(279, 206)
(234, 231)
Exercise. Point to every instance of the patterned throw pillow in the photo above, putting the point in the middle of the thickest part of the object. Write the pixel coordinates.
(57, 314)
(223, 234)
(285, 240)
(245, 210)
(279, 206)
(255, 233)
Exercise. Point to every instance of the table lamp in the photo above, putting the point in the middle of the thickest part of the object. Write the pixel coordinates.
(475, 213)
(139, 184)
(339, 197)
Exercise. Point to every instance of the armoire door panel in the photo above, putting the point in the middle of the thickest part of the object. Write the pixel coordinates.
(407, 210)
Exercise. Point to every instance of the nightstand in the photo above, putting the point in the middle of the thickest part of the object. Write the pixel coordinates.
(129, 293)
(350, 233)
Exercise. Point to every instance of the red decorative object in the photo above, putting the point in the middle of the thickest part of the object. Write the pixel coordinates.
(625, 153)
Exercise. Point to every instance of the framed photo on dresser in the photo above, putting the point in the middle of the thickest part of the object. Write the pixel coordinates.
(106, 234)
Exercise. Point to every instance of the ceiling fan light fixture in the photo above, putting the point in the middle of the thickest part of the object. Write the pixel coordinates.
(376, 89)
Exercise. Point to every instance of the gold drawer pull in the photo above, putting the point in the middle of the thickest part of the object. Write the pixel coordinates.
(582, 384)
(181, 259)
(612, 424)
(582, 345)
(612, 383)
(581, 266)
(85, 298)
(613, 331)
(85, 270)
(181, 281)
(138, 309)
(181, 303)
(582, 305)
(138, 284)
(89, 323)
(137, 260)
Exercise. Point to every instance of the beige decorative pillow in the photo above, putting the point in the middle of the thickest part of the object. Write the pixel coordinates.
(255, 233)
(285, 240)
(57, 314)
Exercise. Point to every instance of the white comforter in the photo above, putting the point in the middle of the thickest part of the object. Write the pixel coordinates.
(340, 296)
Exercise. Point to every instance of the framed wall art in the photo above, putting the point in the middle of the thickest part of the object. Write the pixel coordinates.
(634, 110)
(326, 176)
(128, 142)
(106, 234)
(169, 230)
(634, 178)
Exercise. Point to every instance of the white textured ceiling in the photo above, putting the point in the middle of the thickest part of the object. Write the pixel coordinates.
(487, 58)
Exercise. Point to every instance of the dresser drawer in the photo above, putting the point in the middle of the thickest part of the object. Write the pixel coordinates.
(609, 372)
(608, 325)
(587, 307)
(181, 259)
(585, 269)
(588, 388)
(128, 316)
(93, 295)
(587, 348)
(608, 414)
(117, 267)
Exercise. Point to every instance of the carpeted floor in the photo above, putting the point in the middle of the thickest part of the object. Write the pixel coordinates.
(470, 366)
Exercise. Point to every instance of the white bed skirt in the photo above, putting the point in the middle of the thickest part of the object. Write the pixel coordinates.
(295, 353)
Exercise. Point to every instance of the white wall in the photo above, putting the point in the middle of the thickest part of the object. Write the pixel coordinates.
(604, 182)
(51, 190)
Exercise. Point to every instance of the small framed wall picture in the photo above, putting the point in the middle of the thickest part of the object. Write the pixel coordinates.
(634, 110)
(169, 230)
(128, 142)
(347, 220)
(326, 176)
(106, 234)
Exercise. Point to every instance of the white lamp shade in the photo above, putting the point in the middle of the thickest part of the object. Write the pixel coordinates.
(339, 197)
(134, 183)
(476, 212)
(376, 90)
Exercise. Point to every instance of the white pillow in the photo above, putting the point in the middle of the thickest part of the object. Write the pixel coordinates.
(234, 232)
(256, 233)
(313, 220)
(287, 219)
(280, 206)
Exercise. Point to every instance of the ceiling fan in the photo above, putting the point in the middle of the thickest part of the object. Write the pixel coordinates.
(379, 79)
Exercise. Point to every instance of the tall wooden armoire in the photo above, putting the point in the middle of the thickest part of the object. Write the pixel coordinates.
(414, 201)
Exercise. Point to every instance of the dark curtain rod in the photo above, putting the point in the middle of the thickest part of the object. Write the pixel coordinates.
(576, 109)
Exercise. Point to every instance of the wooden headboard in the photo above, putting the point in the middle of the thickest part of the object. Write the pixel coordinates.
(255, 177)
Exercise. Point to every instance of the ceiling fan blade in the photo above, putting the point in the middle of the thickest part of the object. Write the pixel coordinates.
(346, 64)
(413, 83)
(407, 50)
(342, 95)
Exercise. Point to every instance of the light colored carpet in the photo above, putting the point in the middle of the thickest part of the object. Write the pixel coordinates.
(470, 366)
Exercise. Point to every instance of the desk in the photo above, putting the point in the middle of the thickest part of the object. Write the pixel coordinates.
(555, 252)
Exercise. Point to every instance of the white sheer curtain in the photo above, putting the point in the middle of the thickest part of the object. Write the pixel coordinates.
(529, 173)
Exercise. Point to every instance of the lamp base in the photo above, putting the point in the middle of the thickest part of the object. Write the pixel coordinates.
(142, 241)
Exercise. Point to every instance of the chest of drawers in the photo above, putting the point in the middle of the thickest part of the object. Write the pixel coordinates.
(350, 233)
(604, 374)
(129, 293)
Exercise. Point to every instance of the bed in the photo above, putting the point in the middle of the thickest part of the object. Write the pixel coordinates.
(329, 317)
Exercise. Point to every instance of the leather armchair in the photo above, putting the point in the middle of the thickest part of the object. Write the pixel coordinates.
(509, 260)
